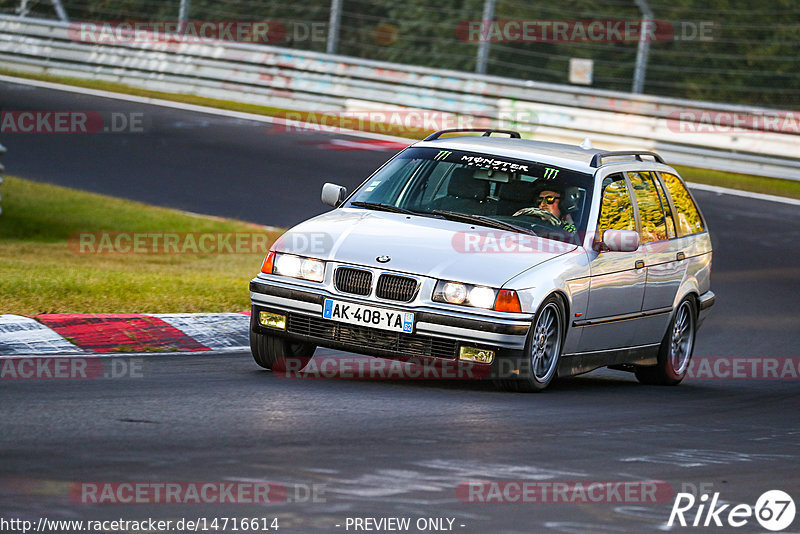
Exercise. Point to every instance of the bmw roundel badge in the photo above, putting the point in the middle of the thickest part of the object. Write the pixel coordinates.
(383, 259)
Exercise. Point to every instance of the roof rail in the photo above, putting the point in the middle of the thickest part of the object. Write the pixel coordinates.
(597, 160)
(486, 132)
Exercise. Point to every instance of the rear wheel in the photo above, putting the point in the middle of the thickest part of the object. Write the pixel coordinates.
(676, 349)
(278, 353)
(542, 350)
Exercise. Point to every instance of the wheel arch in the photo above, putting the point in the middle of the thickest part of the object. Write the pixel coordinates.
(562, 296)
(689, 287)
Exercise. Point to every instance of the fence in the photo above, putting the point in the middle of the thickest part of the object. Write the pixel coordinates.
(734, 138)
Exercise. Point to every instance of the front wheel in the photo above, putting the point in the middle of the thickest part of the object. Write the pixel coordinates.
(279, 354)
(676, 349)
(542, 350)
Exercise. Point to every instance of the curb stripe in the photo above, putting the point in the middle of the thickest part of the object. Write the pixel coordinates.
(213, 330)
(23, 335)
(120, 332)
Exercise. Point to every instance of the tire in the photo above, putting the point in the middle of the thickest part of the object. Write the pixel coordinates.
(539, 365)
(675, 353)
(278, 353)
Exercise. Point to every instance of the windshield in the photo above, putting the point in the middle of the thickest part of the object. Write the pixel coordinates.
(494, 191)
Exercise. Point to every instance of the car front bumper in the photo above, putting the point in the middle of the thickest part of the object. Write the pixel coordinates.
(436, 334)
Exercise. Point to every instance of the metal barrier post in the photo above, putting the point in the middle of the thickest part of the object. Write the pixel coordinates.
(183, 14)
(333, 26)
(60, 11)
(643, 49)
(483, 45)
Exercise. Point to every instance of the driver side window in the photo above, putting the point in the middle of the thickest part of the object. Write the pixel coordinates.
(616, 208)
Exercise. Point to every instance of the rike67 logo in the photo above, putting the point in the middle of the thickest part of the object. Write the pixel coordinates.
(774, 510)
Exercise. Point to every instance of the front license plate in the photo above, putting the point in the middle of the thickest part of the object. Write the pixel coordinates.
(385, 319)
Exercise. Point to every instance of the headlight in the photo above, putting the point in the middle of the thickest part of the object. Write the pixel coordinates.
(466, 294)
(482, 297)
(299, 267)
(454, 293)
(287, 265)
(504, 300)
(312, 270)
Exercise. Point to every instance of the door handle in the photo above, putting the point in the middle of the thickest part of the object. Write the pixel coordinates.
(680, 256)
(640, 264)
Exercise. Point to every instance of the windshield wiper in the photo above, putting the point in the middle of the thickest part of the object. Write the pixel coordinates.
(383, 207)
(480, 219)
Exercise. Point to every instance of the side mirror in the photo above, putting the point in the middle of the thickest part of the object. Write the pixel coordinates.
(333, 195)
(621, 240)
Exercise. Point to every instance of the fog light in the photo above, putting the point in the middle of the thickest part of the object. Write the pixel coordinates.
(272, 320)
(474, 354)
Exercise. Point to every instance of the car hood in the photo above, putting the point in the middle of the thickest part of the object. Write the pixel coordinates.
(420, 245)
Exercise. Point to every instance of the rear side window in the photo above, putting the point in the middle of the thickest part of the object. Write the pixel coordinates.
(662, 196)
(651, 212)
(616, 209)
(689, 220)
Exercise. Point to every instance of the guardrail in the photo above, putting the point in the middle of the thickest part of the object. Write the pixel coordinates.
(726, 137)
(2, 151)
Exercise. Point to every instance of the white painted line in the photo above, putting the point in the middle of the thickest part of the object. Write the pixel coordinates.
(223, 219)
(23, 335)
(740, 193)
(217, 331)
(362, 145)
(312, 127)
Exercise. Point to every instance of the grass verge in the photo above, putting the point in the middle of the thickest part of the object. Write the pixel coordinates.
(771, 186)
(743, 182)
(44, 270)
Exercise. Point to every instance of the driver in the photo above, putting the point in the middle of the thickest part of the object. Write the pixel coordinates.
(549, 200)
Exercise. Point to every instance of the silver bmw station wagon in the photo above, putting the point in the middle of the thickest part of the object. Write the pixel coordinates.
(526, 260)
